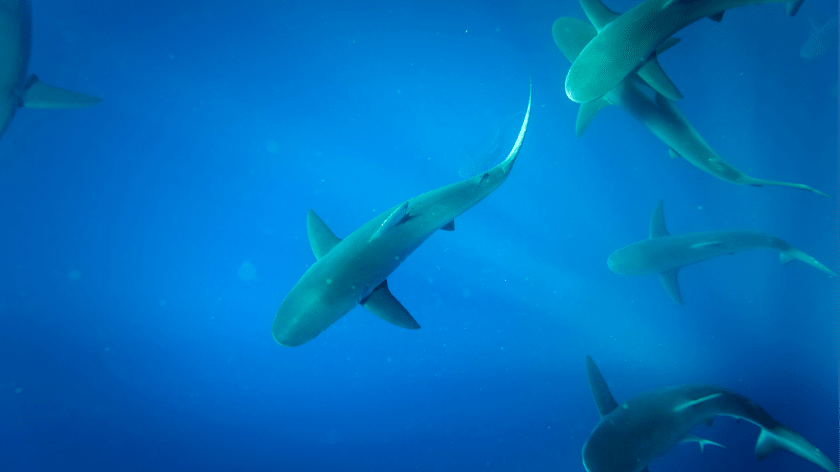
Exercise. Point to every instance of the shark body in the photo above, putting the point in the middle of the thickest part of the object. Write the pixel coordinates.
(353, 271)
(624, 42)
(665, 254)
(18, 89)
(646, 426)
(659, 114)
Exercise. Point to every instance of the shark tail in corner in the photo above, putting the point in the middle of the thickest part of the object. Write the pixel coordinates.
(760, 182)
(790, 253)
(782, 437)
(511, 158)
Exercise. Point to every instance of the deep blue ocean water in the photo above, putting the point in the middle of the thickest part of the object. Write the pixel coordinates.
(148, 240)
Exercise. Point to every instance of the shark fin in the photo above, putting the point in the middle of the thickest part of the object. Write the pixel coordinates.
(41, 95)
(396, 217)
(667, 44)
(381, 303)
(600, 391)
(703, 442)
(586, 112)
(645, 469)
(657, 222)
(598, 14)
(706, 244)
(652, 73)
(691, 403)
(673, 154)
(709, 420)
(321, 238)
(449, 226)
(792, 7)
(785, 258)
(671, 284)
(717, 17)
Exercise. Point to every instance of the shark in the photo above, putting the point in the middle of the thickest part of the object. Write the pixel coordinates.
(658, 114)
(628, 41)
(354, 270)
(645, 427)
(17, 89)
(665, 254)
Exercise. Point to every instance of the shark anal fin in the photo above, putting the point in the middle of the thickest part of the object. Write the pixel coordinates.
(449, 226)
(396, 217)
(600, 391)
(586, 112)
(598, 14)
(718, 17)
(673, 154)
(652, 73)
(657, 222)
(381, 303)
(703, 442)
(321, 238)
(41, 95)
(671, 284)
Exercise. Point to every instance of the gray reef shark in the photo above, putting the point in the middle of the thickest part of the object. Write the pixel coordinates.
(353, 271)
(660, 115)
(665, 254)
(16, 88)
(648, 425)
(626, 41)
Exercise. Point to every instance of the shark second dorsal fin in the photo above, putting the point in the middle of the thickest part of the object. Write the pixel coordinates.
(41, 95)
(600, 391)
(382, 303)
(587, 112)
(671, 284)
(321, 238)
(657, 222)
(599, 14)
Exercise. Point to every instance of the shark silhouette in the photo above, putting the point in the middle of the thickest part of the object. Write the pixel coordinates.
(660, 115)
(625, 42)
(353, 271)
(648, 425)
(16, 87)
(665, 254)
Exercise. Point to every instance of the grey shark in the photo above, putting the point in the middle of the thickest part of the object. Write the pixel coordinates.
(353, 271)
(648, 425)
(18, 89)
(624, 42)
(660, 115)
(665, 254)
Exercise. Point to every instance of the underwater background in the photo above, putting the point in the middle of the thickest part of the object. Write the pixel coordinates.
(148, 240)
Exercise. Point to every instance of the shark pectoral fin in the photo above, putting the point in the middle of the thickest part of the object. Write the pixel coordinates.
(667, 44)
(703, 442)
(396, 217)
(41, 95)
(706, 244)
(718, 17)
(652, 73)
(600, 391)
(708, 421)
(586, 112)
(691, 403)
(785, 258)
(673, 154)
(657, 222)
(321, 238)
(671, 284)
(598, 14)
(792, 7)
(449, 226)
(381, 303)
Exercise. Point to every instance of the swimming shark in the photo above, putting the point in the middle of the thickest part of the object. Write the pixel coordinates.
(648, 425)
(660, 115)
(18, 89)
(354, 271)
(665, 254)
(626, 41)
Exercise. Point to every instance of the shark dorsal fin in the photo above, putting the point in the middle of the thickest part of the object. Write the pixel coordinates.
(600, 391)
(671, 284)
(657, 222)
(586, 112)
(599, 14)
(382, 303)
(396, 217)
(652, 73)
(321, 238)
(41, 95)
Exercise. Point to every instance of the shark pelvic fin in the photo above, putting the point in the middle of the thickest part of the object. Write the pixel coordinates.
(652, 73)
(321, 238)
(449, 226)
(600, 391)
(396, 217)
(671, 284)
(598, 14)
(673, 154)
(657, 222)
(718, 17)
(691, 403)
(41, 95)
(703, 442)
(381, 303)
(586, 112)
(792, 7)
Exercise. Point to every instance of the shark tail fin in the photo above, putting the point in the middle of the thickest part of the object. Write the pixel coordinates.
(600, 391)
(41, 95)
(782, 437)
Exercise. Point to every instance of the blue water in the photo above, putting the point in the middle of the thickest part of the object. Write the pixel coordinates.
(148, 240)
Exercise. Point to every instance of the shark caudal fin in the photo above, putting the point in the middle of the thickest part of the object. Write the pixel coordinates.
(41, 95)
(600, 391)
(668, 278)
(507, 164)
(782, 437)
